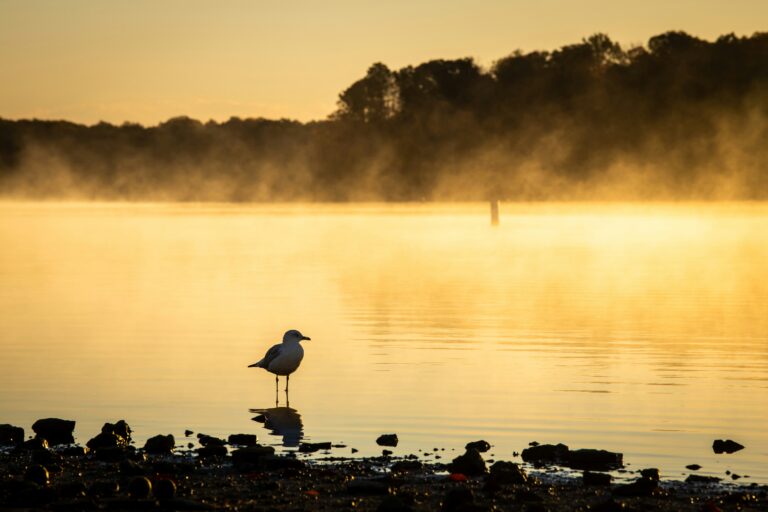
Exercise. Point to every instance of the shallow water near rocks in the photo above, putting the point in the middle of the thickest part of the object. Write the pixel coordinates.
(636, 328)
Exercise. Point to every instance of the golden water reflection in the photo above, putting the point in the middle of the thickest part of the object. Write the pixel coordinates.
(636, 328)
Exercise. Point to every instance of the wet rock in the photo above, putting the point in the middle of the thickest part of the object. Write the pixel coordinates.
(242, 439)
(651, 474)
(131, 468)
(112, 435)
(481, 446)
(110, 454)
(72, 490)
(251, 454)
(386, 453)
(211, 451)
(140, 488)
(37, 474)
(55, 430)
(609, 506)
(387, 440)
(726, 446)
(471, 463)
(594, 459)
(314, 447)
(277, 462)
(393, 504)
(405, 466)
(33, 444)
(367, 487)
(506, 473)
(700, 479)
(103, 488)
(458, 499)
(590, 478)
(206, 440)
(10, 435)
(74, 451)
(160, 444)
(164, 489)
(548, 453)
(640, 487)
(693, 467)
(30, 494)
(45, 457)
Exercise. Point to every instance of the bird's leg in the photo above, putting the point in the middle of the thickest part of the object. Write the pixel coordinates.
(287, 378)
(276, 391)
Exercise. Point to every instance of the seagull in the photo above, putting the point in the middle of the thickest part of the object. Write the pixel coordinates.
(283, 358)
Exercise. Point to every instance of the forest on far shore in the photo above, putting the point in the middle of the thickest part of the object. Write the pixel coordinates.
(677, 118)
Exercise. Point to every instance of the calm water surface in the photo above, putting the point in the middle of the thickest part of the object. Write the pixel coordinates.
(635, 328)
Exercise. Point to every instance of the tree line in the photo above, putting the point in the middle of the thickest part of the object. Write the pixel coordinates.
(677, 118)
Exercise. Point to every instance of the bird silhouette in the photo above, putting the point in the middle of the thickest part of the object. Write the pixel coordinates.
(283, 358)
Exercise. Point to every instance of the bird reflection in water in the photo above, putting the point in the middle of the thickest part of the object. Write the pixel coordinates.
(282, 421)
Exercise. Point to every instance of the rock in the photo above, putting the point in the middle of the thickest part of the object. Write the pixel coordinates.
(387, 440)
(131, 468)
(206, 440)
(45, 457)
(107, 440)
(251, 454)
(404, 466)
(242, 439)
(277, 462)
(111, 454)
(37, 474)
(594, 459)
(140, 488)
(549, 453)
(74, 451)
(55, 430)
(393, 504)
(700, 479)
(215, 450)
(640, 487)
(160, 444)
(386, 453)
(506, 473)
(164, 489)
(32, 445)
(727, 446)
(367, 487)
(10, 435)
(481, 446)
(313, 447)
(458, 499)
(651, 474)
(72, 490)
(471, 463)
(103, 488)
(693, 467)
(609, 506)
(590, 478)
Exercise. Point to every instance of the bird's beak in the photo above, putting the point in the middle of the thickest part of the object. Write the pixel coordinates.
(306, 338)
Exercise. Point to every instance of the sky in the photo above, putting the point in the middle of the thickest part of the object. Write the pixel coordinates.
(146, 61)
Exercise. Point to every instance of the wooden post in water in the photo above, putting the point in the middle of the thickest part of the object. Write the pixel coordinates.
(494, 212)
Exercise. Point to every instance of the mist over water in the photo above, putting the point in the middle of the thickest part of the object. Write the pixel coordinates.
(636, 328)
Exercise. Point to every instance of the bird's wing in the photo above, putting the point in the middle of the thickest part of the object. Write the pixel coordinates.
(271, 355)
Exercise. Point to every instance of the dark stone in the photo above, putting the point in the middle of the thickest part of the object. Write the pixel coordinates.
(594, 459)
(242, 439)
(367, 487)
(206, 440)
(107, 440)
(188, 433)
(506, 473)
(210, 451)
(72, 490)
(164, 489)
(32, 444)
(386, 453)
(693, 467)
(55, 430)
(640, 487)
(110, 454)
(103, 488)
(700, 479)
(609, 506)
(30, 494)
(74, 451)
(160, 444)
(393, 504)
(140, 488)
(727, 446)
(471, 463)
(550, 453)
(45, 457)
(650, 473)
(10, 435)
(590, 478)
(313, 447)
(481, 446)
(458, 499)
(131, 468)
(251, 454)
(404, 466)
(276, 463)
(37, 474)
(387, 440)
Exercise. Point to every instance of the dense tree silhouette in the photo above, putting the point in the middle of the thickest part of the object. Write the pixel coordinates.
(680, 117)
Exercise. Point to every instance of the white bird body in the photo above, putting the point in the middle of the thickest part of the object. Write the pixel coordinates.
(283, 358)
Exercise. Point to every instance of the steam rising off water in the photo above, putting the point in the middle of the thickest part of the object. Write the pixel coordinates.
(635, 328)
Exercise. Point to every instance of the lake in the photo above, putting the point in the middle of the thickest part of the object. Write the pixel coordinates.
(639, 328)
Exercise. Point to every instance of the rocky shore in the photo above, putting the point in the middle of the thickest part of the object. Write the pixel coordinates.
(48, 471)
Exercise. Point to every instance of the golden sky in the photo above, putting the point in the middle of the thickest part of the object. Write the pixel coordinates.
(148, 60)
